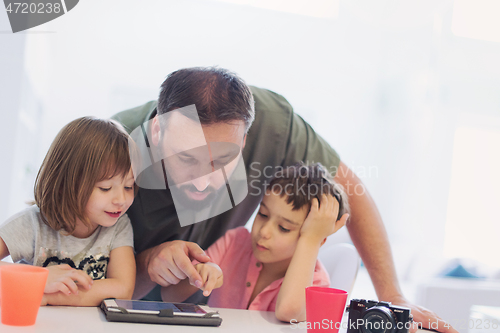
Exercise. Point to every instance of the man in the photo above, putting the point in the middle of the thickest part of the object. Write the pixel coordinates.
(268, 136)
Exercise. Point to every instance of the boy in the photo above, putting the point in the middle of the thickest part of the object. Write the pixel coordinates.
(269, 268)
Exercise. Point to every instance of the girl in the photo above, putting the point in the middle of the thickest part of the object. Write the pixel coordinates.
(78, 228)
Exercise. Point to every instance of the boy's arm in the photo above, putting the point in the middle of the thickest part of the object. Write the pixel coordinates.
(178, 292)
(319, 224)
(119, 283)
(291, 302)
(183, 285)
(211, 277)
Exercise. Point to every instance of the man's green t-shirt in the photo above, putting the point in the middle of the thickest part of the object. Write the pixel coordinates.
(277, 138)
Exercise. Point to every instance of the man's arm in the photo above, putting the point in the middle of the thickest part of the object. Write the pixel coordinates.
(167, 264)
(368, 234)
(211, 275)
(143, 283)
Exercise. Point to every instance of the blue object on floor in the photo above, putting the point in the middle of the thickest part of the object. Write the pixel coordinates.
(460, 272)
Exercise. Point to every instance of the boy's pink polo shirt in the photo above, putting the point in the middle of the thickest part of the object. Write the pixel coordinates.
(233, 253)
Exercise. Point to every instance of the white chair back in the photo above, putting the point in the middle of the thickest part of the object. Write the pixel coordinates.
(342, 263)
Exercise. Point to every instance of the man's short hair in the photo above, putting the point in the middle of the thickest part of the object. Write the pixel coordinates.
(218, 94)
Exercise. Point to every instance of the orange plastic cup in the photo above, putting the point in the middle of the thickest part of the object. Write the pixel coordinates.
(324, 309)
(21, 289)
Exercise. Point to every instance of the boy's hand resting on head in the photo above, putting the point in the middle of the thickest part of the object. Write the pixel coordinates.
(63, 278)
(321, 220)
(211, 276)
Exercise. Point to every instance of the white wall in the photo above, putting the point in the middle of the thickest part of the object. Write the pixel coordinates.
(384, 83)
(11, 80)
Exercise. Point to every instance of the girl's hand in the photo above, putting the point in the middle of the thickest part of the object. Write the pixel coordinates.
(320, 222)
(211, 275)
(63, 278)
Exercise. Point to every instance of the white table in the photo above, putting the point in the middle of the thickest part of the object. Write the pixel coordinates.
(484, 319)
(62, 319)
(452, 298)
(55, 319)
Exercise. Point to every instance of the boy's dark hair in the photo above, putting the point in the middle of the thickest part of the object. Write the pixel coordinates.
(218, 94)
(301, 184)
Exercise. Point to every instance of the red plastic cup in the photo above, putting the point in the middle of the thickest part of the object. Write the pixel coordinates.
(324, 309)
(21, 288)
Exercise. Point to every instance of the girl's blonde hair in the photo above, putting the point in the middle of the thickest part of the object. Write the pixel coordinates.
(84, 152)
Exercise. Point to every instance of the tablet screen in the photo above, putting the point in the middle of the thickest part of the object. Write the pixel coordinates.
(144, 307)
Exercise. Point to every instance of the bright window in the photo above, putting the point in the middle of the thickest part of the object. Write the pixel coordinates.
(473, 216)
(315, 8)
(477, 19)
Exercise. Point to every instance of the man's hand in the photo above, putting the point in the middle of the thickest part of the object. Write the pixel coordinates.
(320, 222)
(425, 317)
(211, 275)
(63, 278)
(170, 262)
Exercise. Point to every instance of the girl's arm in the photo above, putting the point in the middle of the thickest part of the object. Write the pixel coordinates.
(119, 283)
(320, 223)
(62, 278)
(4, 252)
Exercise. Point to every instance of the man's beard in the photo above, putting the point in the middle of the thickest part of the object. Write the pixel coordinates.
(180, 187)
(182, 197)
